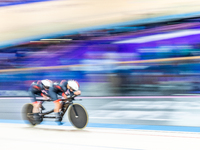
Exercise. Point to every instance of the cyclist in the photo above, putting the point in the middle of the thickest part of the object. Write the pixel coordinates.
(66, 89)
(39, 88)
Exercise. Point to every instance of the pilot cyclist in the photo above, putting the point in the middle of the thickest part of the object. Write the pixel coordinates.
(66, 89)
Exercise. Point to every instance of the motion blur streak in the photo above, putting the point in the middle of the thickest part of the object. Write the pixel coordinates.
(103, 63)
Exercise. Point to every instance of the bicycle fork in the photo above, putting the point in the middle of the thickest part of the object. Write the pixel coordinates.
(76, 114)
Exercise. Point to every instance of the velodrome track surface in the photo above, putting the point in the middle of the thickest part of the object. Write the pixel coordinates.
(115, 123)
(23, 137)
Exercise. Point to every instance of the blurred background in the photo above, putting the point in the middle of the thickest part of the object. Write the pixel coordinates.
(113, 48)
(103, 46)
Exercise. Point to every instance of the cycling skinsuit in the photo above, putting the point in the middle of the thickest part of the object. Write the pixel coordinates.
(37, 89)
(60, 89)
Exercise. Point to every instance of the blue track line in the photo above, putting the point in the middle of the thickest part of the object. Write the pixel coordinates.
(21, 2)
(119, 126)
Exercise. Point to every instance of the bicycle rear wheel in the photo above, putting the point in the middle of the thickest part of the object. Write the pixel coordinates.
(26, 111)
(78, 116)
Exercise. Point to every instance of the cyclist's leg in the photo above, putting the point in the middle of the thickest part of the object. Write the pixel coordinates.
(36, 116)
(57, 110)
(57, 106)
(33, 92)
(57, 102)
(36, 105)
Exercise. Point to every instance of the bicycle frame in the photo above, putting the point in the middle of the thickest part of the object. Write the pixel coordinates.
(77, 114)
(64, 108)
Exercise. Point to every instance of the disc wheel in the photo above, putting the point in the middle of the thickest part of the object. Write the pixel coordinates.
(78, 116)
(26, 114)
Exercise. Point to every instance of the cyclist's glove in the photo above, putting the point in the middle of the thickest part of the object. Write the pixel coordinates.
(71, 97)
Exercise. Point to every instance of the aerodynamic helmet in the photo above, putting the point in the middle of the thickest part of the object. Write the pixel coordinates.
(73, 85)
(46, 83)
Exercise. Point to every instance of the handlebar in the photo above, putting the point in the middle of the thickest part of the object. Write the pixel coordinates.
(50, 100)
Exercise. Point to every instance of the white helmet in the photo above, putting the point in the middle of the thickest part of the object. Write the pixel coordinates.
(73, 84)
(46, 83)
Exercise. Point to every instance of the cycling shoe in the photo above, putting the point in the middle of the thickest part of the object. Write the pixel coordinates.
(37, 119)
(60, 123)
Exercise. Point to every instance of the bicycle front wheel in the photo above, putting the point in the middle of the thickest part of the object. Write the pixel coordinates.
(78, 116)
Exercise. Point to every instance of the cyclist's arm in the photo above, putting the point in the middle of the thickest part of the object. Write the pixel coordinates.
(45, 96)
(33, 92)
(64, 96)
(77, 93)
(71, 95)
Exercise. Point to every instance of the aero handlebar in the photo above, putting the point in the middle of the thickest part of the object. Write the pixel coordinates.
(50, 100)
